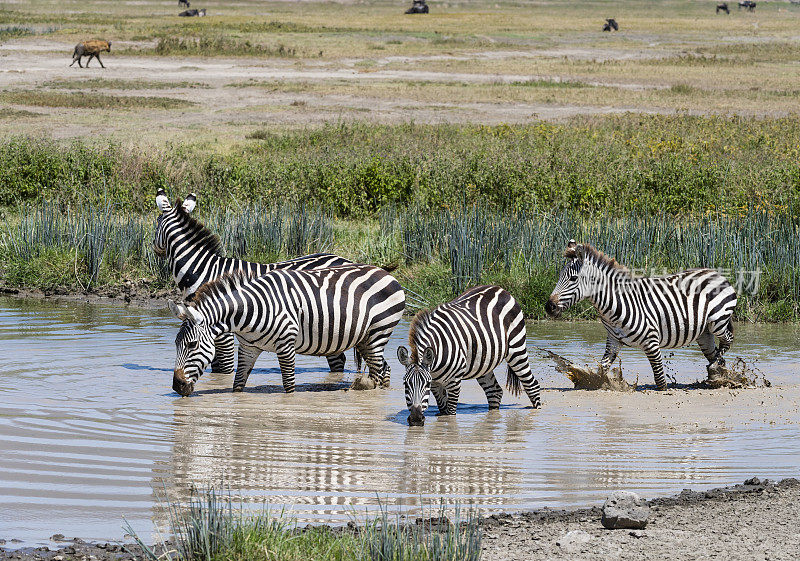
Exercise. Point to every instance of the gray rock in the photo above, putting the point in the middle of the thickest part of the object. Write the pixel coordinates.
(624, 509)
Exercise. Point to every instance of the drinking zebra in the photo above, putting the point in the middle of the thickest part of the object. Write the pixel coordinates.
(319, 312)
(650, 313)
(466, 339)
(194, 255)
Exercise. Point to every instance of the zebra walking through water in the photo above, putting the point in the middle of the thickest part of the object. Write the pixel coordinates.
(466, 339)
(319, 312)
(194, 255)
(651, 313)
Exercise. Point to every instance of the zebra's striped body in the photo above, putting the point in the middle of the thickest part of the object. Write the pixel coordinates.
(651, 313)
(316, 312)
(466, 339)
(194, 256)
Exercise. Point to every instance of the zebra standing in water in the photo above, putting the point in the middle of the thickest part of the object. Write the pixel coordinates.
(195, 257)
(650, 313)
(320, 312)
(462, 340)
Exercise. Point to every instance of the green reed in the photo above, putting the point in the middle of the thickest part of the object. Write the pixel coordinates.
(214, 526)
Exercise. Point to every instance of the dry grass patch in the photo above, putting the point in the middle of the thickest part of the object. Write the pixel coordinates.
(85, 100)
(118, 84)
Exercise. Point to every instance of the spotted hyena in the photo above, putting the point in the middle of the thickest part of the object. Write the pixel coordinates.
(91, 49)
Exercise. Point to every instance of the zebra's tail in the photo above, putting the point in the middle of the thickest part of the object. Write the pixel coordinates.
(513, 383)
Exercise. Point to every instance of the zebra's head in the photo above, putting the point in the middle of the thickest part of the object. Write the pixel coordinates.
(195, 348)
(417, 382)
(571, 288)
(167, 218)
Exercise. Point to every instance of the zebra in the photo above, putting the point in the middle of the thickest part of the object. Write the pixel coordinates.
(466, 339)
(319, 312)
(194, 255)
(651, 313)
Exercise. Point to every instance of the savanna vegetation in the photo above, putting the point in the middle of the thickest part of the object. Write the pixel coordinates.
(681, 148)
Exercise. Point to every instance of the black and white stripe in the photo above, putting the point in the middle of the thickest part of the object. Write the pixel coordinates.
(316, 312)
(195, 257)
(651, 313)
(462, 340)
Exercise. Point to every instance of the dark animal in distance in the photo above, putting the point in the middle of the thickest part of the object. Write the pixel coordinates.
(192, 13)
(611, 23)
(419, 7)
(184, 3)
(91, 48)
(748, 5)
(723, 8)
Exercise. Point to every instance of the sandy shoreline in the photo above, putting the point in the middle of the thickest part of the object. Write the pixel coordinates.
(753, 520)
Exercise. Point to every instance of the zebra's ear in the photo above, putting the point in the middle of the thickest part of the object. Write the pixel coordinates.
(571, 244)
(178, 310)
(195, 316)
(162, 202)
(428, 357)
(190, 202)
(402, 355)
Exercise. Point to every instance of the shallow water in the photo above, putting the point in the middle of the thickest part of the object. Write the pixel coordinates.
(90, 425)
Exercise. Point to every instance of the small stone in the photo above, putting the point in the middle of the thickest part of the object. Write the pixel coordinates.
(625, 510)
(753, 481)
(573, 537)
(57, 537)
(58, 558)
(637, 533)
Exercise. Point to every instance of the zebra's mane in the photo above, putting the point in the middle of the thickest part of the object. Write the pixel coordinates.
(419, 322)
(225, 284)
(598, 257)
(205, 238)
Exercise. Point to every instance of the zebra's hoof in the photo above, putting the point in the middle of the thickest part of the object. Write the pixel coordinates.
(237, 389)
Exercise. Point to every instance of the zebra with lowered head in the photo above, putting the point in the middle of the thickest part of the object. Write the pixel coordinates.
(194, 255)
(466, 339)
(321, 312)
(651, 313)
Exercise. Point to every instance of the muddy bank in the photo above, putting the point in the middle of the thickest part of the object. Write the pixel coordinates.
(752, 520)
(139, 295)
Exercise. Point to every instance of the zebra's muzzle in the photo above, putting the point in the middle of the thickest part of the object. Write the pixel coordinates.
(552, 308)
(180, 385)
(416, 417)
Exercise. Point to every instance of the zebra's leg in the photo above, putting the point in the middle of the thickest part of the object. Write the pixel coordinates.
(440, 394)
(379, 369)
(653, 352)
(725, 342)
(706, 342)
(612, 350)
(247, 359)
(453, 391)
(336, 363)
(493, 391)
(286, 358)
(520, 368)
(224, 354)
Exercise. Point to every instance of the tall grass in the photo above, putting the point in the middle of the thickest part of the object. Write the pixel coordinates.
(211, 526)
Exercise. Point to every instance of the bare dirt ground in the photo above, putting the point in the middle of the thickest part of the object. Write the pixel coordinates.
(754, 520)
(240, 92)
(747, 522)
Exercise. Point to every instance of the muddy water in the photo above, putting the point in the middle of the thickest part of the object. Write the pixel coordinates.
(89, 425)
